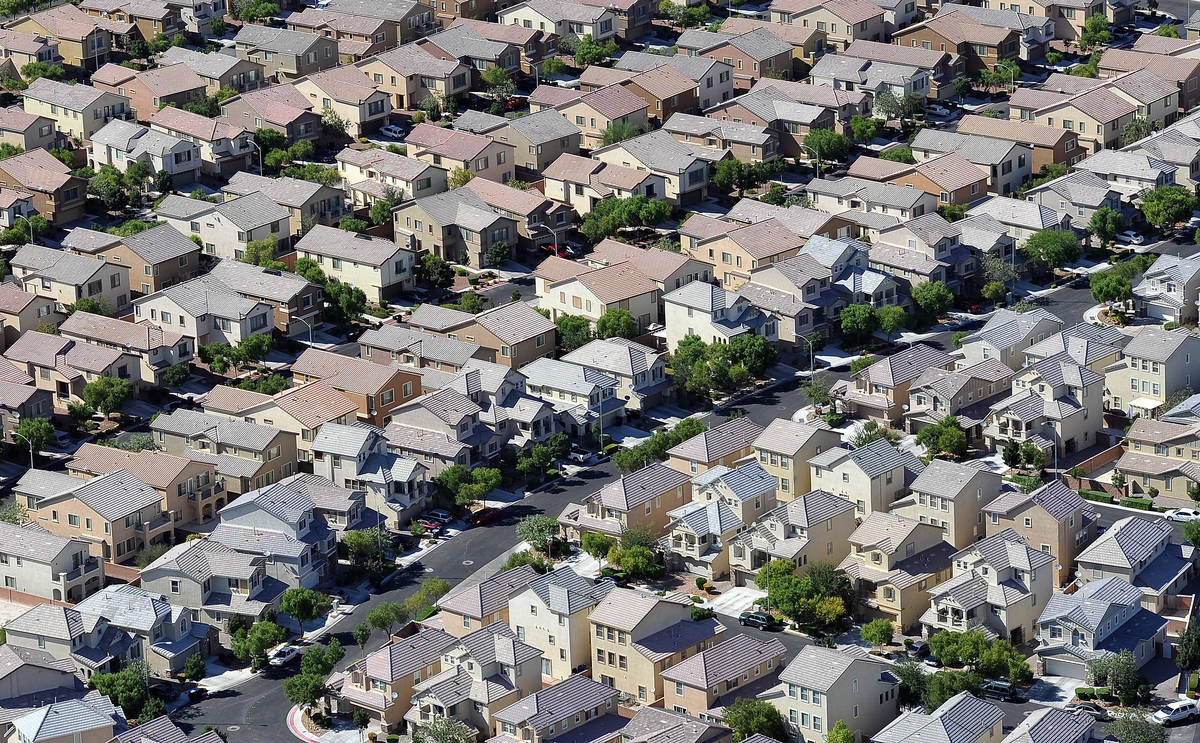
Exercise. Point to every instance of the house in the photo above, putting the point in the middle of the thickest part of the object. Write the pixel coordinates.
(350, 94)
(369, 174)
(999, 586)
(1007, 163)
(666, 90)
(95, 717)
(358, 36)
(249, 456)
(1101, 619)
(881, 391)
(64, 367)
(1005, 336)
(845, 21)
(376, 264)
(648, 635)
(480, 605)
(701, 684)
(218, 71)
(174, 85)
(667, 269)
(722, 445)
(83, 41)
(357, 456)
(451, 149)
(226, 228)
(77, 110)
(1052, 518)
(951, 177)
(515, 333)
(861, 195)
(550, 612)
(585, 707)
(487, 671)
(772, 108)
(635, 499)
(972, 720)
(967, 394)
(870, 476)
(1170, 288)
(753, 54)
(395, 668)
(21, 49)
(149, 19)
(871, 76)
(1182, 71)
(1056, 405)
(1088, 345)
(894, 563)
(57, 642)
(186, 487)
(591, 293)
(784, 448)
(22, 311)
(810, 527)
(981, 46)
(707, 311)
(39, 564)
(67, 278)
(117, 514)
(1153, 366)
(410, 74)
(640, 370)
(459, 226)
(538, 218)
(566, 20)
(1053, 724)
(393, 345)
(1140, 552)
(595, 112)
(535, 45)
(280, 108)
(27, 131)
(156, 258)
(1079, 194)
(475, 51)
(713, 79)
(581, 182)
(950, 495)
(280, 524)
(822, 685)
(58, 195)
(684, 167)
(1097, 114)
(1047, 144)
(214, 582)
(941, 66)
(747, 142)
(1157, 456)
(808, 44)
(157, 349)
(1130, 173)
(120, 143)
(206, 311)
(286, 55)
(539, 138)
(737, 251)
(441, 429)
(297, 302)
(310, 204)
(584, 400)
(376, 389)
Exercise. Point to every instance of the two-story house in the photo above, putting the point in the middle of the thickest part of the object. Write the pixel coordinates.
(187, 488)
(871, 477)
(550, 613)
(286, 55)
(377, 389)
(1140, 552)
(225, 147)
(357, 456)
(881, 391)
(1056, 404)
(703, 684)
(1053, 519)
(205, 311)
(950, 495)
(784, 448)
(381, 267)
(249, 456)
(39, 564)
(479, 605)
(642, 498)
(166, 633)
(640, 370)
(724, 445)
(812, 527)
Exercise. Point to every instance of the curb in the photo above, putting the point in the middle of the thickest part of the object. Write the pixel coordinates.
(296, 728)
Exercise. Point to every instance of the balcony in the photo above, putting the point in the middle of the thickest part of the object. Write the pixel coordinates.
(87, 567)
(158, 523)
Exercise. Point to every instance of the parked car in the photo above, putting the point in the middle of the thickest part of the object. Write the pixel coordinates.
(999, 690)
(759, 619)
(483, 516)
(432, 528)
(392, 131)
(1097, 712)
(165, 690)
(1185, 710)
(579, 455)
(281, 656)
(932, 661)
(937, 110)
(440, 514)
(1182, 515)
(1130, 237)
(918, 649)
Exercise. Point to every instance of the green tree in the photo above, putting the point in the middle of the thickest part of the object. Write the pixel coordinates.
(1096, 31)
(731, 174)
(828, 144)
(616, 323)
(536, 531)
(33, 70)
(344, 302)
(899, 155)
(304, 689)
(994, 291)
(351, 224)
(362, 635)
(574, 331)
(945, 436)
(840, 733)
(1131, 726)
(260, 252)
(618, 131)
(303, 605)
(471, 303)
(913, 680)
(1191, 532)
(107, 394)
(436, 271)
(443, 730)
(127, 688)
(994, 268)
(1106, 223)
(1168, 205)
(635, 562)
(933, 297)
(1170, 30)
(597, 545)
(879, 632)
(1188, 657)
(320, 660)
(252, 644)
(195, 667)
(1109, 286)
(748, 716)
(13, 513)
(589, 52)
(459, 177)
(945, 684)
(859, 321)
(1137, 129)
(754, 352)
(1011, 453)
(310, 271)
(892, 319)
(1054, 248)
(497, 253)
(382, 207)
(771, 573)
(388, 615)
(864, 128)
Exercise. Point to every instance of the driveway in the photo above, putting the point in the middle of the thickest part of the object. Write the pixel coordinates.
(1054, 691)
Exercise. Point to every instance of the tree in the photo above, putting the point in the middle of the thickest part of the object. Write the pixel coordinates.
(864, 128)
(108, 186)
(259, 252)
(471, 303)
(1169, 30)
(636, 561)
(574, 331)
(107, 394)
(748, 716)
(149, 554)
(362, 635)
(879, 632)
(1132, 727)
(899, 155)
(816, 390)
(871, 430)
(126, 688)
(1188, 657)
(36, 433)
(731, 174)
(436, 271)
(536, 531)
(350, 224)
(310, 271)
(304, 689)
(963, 87)
(1106, 223)
(1168, 205)
(13, 513)
(616, 323)
(388, 615)
(945, 684)
(195, 667)
(617, 131)
(320, 660)
(517, 559)
(33, 70)
(1011, 454)
(892, 319)
(1055, 248)
(771, 573)
(754, 352)
(1034, 457)
(303, 605)
(887, 104)
(497, 253)
(1117, 671)
(443, 730)
(252, 644)
(828, 144)
(945, 436)
(994, 291)
(933, 297)
(1109, 286)
(344, 302)
(995, 268)
(597, 545)
(588, 52)
(859, 321)
(333, 124)
(1138, 128)
(840, 733)
(368, 547)
(459, 177)
(382, 207)
(1191, 532)
(1096, 31)
(494, 78)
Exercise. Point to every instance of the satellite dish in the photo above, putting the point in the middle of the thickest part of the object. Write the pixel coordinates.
(394, 695)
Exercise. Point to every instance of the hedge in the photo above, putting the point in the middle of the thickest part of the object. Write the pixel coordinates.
(1144, 504)
(1096, 495)
(1085, 692)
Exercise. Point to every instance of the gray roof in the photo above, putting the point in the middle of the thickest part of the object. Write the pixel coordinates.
(725, 661)
(615, 355)
(388, 10)
(408, 655)
(786, 436)
(160, 244)
(211, 64)
(205, 295)
(73, 97)
(632, 490)
(693, 67)
(1019, 212)
(874, 459)
(57, 265)
(422, 345)
(820, 668)
(1079, 187)
(68, 718)
(544, 126)
(869, 74)
(127, 607)
(973, 148)
(1092, 603)
(462, 41)
(1109, 163)
(113, 496)
(1127, 543)
(462, 207)
(963, 718)
(58, 622)
(256, 281)
(192, 424)
(564, 591)
(658, 725)
(947, 479)
(1155, 344)
(884, 194)
(342, 439)
(486, 597)
(569, 697)
(175, 206)
(559, 375)
(31, 542)
(731, 436)
(1007, 549)
(252, 211)
(515, 322)
(1084, 343)
(1050, 725)
(662, 153)
(1006, 328)
(276, 40)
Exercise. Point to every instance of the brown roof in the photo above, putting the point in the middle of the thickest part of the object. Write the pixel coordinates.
(518, 201)
(451, 143)
(315, 403)
(1102, 104)
(789, 32)
(194, 125)
(766, 238)
(655, 263)
(172, 79)
(37, 170)
(344, 373)
(158, 469)
(614, 283)
(1177, 69)
(600, 176)
(963, 29)
(663, 82)
(553, 95)
(555, 269)
(851, 11)
(1154, 44)
(601, 77)
(876, 168)
(613, 102)
(224, 398)
(138, 337)
(14, 299)
(951, 171)
(508, 34)
(1012, 130)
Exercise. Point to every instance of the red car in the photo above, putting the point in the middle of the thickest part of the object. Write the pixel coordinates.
(483, 516)
(432, 528)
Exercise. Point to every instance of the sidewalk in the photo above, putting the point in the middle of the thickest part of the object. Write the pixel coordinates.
(343, 730)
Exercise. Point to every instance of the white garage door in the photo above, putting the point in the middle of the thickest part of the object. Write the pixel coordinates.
(1059, 667)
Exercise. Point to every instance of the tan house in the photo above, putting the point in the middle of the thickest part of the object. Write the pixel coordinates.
(148, 91)
(550, 613)
(596, 111)
(286, 55)
(735, 253)
(297, 302)
(753, 55)
(157, 349)
(370, 174)
(452, 149)
(952, 496)
(64, 367)
(280, 108)
(721, 445)
(189, 489)
(309, 204)
(78, 110)
(156, 258)
(358, 36)
(351, 95)
(880, 391)
(981, 47)
(640, 498)
(593, 292)
(974, 720)
(894, 563)
(844, 21)
(538, 218)
(784, 448)
(149, 19)
(700, 684)
(581, 182)
(410, 74)
(586, 708)
(1049, 145)
(539, 138)
(219, 71)
(376, 389)
(25, 130)
(247, 455)
(1141, 552)
(382, 682)
(22, 311)
(871, 476)
(636, 636)
(811, 527)
(67, 278)
(480, 604)
(83, 41)
(515, 333)
(1153, 366)
(456, 225)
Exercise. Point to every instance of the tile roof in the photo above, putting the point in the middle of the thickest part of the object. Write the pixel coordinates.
(278, 104)
(720, 441)
(625, 608)
(331, 241)
(405, 656)
(820, 668)
(571, 696)
(612, 102)
(344, 372)
(724, 661)
(632, 490)
(564, 591)
(962, 718)
(446, 142)
(158, 469)
(1127, 543)
(515, 322)
(614, 355)
(851, 11)
(616, 282)
(191, 424)
(73, 97)
(485, 598)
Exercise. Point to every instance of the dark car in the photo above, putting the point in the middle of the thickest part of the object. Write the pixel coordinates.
(196, 693)
(999, 690)
(165, 690)
(758, 619)
(483, 516)
(918, 649)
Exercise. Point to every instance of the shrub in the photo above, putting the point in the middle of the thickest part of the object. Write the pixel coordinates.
(1103, 692)
(1095, 495)
(1171, 325)
(1144, 504)
(1085, 693)
(835, 420)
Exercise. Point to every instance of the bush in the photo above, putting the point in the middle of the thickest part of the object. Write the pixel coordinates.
(1095, 495)
(1144, 504)
(1085, 693)
(835, 420)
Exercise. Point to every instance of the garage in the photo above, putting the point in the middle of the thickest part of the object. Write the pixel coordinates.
(1063, 667)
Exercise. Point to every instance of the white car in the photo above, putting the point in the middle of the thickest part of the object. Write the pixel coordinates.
(1129, 236)
(1182, 515)
(391, 130)
(440, 515)
(284, 655)
(937, 110)
(1183, 710)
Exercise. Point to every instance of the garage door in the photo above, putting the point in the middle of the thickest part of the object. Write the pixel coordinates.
(1159, 312)
(1059, 667)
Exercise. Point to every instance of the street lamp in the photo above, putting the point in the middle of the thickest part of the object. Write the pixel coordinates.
(29, 443)
(812, 363)
(815, 153)
(254, 144)
(28, 222)
(307, 325)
